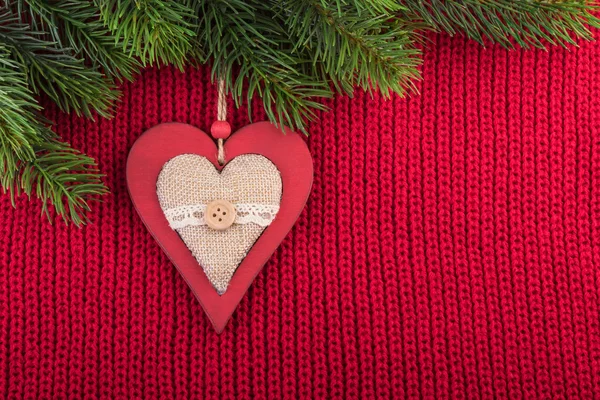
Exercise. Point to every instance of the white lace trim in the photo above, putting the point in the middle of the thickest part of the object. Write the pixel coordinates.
(193, 215)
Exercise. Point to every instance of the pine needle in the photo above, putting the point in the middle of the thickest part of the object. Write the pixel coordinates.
(525, 23)
(32, 160)
(54, 71)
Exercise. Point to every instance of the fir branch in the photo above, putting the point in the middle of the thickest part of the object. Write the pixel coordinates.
(249, 39)
(363, 7)
(156, 31)
(54, 71)
(353, 50)
(76, 24)
(527, 23)
(59, 176)
(19, 126)
(32, 161)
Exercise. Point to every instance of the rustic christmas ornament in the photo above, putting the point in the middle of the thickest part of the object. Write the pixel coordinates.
(219, 211)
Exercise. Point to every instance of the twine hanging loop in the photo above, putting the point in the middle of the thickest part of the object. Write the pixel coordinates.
(221, 129)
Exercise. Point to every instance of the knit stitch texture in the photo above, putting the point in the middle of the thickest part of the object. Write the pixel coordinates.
(450, 248)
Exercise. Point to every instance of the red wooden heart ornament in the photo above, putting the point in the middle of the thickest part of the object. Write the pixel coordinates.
(158, 145)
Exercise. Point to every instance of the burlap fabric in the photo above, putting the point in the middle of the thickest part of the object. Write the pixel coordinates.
(190, 179)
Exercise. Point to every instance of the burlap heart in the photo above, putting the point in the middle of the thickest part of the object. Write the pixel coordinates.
(187, 183)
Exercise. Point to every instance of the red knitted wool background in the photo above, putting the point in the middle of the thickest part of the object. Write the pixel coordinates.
(450, 248)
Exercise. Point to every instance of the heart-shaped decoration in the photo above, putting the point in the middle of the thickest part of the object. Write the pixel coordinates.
(219, 224)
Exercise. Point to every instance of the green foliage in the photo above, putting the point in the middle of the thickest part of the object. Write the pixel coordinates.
(76, 24)
(289, 53)
(526, 22)
(354, 46)
(247, 44)
(154, 31)
(19, 125)
(293, 52)
(59, 176)
(32, 160)
(54, 70)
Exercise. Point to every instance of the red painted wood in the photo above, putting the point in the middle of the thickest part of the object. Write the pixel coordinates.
(220, 129)
(163, 142)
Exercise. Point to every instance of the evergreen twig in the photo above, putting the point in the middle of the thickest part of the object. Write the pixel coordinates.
(54, 71)
(59, 176)
(155, 31)
(32, 160)
(526, 23)
(76, 24)
(248, 41)
(354, 47)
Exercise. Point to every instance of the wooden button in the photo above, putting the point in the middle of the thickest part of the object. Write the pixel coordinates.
(219, 214)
